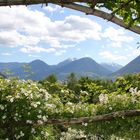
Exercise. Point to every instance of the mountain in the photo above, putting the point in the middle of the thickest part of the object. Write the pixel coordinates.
(131, 67)
(38, 69)
(82, 67)
(112, 66)
(35, 70)
(10, 65)
(1, 75)
(65, 62)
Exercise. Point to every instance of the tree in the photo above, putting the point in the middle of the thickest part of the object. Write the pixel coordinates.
(51, 78)
(125, 13)
(72, 81)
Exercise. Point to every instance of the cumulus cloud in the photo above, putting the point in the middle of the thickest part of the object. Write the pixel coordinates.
(35, 49)
(51, 9)
(21, 26)
(116, 37)
(110, 56)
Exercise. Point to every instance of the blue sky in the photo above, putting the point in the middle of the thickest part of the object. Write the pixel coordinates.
(54, 34)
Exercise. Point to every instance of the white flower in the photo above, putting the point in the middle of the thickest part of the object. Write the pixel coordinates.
(26, 94)
(84, 92)
(44, 118)
(134, 92)
(62, 90)
(103, 98)
(39, 116)
(40, 111)
(1, 107)
(28, 113)
(110, 108)
(40, 122)
(21, 134)
(29, 121)
(31, 96)
(16, 114)
(11, 100)
(38, 103)
(34, 105)
(3, 117)
(33, 131)
(85, 124)
(42, 132)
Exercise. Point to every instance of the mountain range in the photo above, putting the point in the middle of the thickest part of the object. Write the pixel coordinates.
(131, 67)
(86, 66)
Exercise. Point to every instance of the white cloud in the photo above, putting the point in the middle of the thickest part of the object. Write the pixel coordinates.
(117, 35)
(135, 52)
(87, 55)
(35, 56)
(6, 54)
(21, 26)
(60, 52)
(116, 44)
(10, 38)
(51, 9)
(78, 49)
(110, 56)
(35, 49)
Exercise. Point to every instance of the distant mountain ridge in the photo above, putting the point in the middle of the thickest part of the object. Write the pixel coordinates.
(86, 66)
(112, 66)
(38, 69)
(131, 67)
(83, 65)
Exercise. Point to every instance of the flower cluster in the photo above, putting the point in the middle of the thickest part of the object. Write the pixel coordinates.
(103, 98)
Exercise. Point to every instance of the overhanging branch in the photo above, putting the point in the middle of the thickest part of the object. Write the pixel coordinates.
(29, 2)
(101, 14)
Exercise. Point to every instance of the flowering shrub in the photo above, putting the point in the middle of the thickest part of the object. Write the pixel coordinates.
(21, 104)
(26, 108)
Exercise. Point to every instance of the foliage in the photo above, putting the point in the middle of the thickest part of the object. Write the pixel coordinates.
(128, 10)
(25, 107)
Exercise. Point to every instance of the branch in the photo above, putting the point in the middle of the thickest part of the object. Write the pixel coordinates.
(98, 118)
(101, 14)
(29, 2)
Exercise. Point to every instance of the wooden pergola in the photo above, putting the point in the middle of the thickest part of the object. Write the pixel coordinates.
(82, 6)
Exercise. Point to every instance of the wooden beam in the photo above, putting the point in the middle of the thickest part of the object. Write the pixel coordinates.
(101, 14)
(80, 120)
(29, 2)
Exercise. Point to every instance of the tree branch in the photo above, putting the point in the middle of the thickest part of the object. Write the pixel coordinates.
(98, 118)
(29, 2)
(101, 14)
